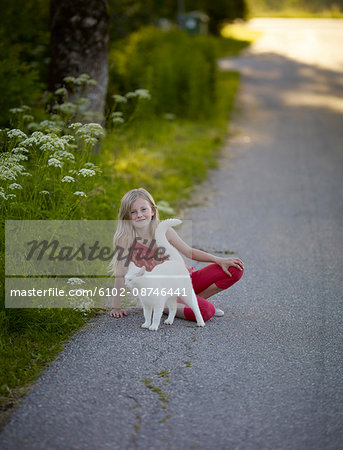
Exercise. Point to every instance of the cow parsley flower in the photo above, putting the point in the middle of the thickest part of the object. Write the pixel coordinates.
(55, 162)
(63, 155)
(91, 129)
(75, 280)
(45, 192)
(15, 186)
(75, 125)
(119, 99)
(117, 120)
(61, 91)
(2, 193)
(80, 193)
(16, 134)
(67, 179)
(143, 93)
(16, 110)
(87, 172)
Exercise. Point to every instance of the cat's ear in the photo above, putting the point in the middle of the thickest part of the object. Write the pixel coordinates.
(141, 271)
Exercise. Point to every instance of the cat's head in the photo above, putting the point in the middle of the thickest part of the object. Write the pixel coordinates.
(133, 273)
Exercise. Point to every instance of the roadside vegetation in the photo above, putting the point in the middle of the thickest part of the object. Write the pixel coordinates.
(321, 9)
(165, 123)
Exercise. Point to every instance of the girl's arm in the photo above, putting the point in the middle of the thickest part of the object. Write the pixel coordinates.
(119, 284)
(200, 255)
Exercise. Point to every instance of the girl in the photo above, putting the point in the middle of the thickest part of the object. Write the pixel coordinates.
(138, 219)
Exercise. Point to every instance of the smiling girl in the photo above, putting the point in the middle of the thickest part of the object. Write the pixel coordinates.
(138, 219)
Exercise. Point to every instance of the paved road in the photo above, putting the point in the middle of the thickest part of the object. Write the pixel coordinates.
(268, 375)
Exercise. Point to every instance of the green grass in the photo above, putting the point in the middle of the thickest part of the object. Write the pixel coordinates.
(166, 157)
(293, 13)
(29, 340)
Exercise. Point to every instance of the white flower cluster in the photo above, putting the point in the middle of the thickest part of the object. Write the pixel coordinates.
(55, 162)
(68, 179)
(119, 98)
(49, 149)
(117, 117)
(87, 172)
(10, 167)
(91, 129)
(139, 93)
(16, 134)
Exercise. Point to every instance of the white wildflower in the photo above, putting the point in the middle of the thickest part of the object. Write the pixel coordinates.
(118, 120)
(80, 193)
(55, 162)
(69, 79)
(91, 129)
(89, 140)
(67, 108)
(11, 196)
(75, 125)
(83, 77)
(117, 114)
(16, 134)
(119, 99)
(33, 126)
(61, 91)
(16, 110)
(130, 95)
(20, 150)
(68, 138)
(27, 117)
(87, 172)
(15, 186)
(10, 166)
(2, 193)
(59, 154)
(75, 280)
(45, 192)
(48, 125)
(21, 157)
(67, 179)
(143, 93)
(90, 165)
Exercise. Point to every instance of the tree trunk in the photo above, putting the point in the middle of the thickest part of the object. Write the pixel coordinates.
(79, 44)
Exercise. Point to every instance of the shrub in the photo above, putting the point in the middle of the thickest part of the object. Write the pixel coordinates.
(178, 70)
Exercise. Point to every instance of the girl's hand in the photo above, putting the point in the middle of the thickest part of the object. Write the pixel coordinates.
(117, 312)
(225, 263)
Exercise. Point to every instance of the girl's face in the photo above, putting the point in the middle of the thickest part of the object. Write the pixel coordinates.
(141, 213)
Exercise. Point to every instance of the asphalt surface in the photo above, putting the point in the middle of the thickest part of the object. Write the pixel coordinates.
(267, 375)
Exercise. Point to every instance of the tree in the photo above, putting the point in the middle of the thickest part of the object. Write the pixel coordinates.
(79, 44)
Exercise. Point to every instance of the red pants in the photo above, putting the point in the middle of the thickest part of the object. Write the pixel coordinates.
(205, 277)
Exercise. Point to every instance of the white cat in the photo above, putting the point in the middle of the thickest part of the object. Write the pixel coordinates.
(169, 280)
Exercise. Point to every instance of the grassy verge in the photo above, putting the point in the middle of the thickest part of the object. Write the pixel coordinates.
(29, 341)
(293, 13)
(164, 154)
(167, 156)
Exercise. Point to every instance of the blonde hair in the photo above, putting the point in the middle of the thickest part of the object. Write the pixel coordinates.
(125, 232)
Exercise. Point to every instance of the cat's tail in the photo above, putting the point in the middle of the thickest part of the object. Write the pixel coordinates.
(162, 241)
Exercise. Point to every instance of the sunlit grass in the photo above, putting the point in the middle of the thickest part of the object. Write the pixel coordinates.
(165, 156)
(293, 13)
(240, 32)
